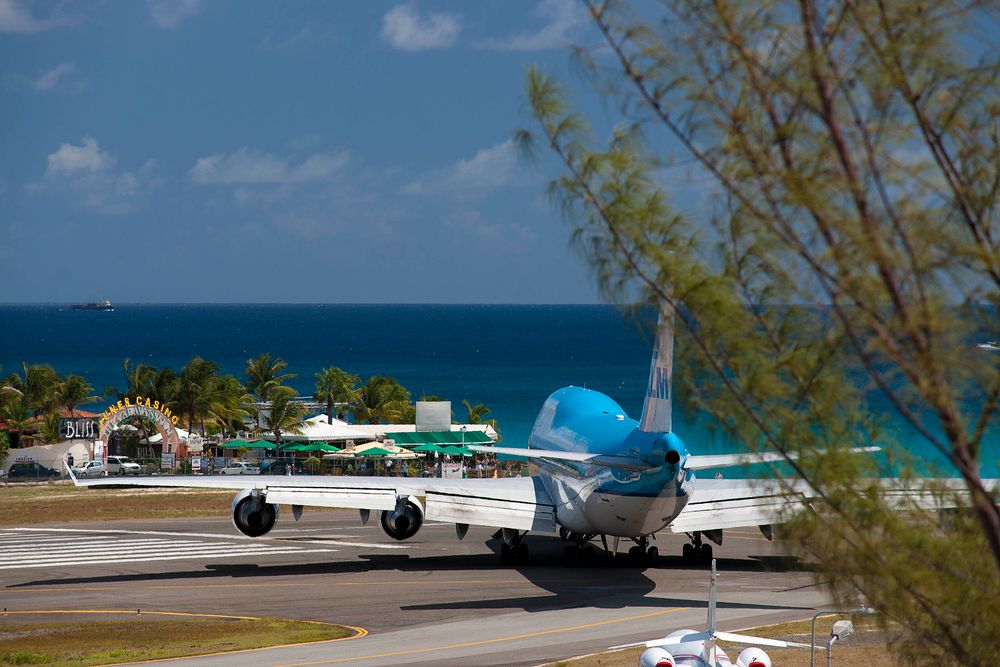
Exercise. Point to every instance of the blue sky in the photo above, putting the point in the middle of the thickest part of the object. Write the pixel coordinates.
(227, 151)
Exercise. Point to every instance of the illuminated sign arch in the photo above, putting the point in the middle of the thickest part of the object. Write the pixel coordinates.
(162, 417)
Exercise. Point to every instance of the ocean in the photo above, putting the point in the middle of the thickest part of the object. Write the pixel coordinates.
(509, 357)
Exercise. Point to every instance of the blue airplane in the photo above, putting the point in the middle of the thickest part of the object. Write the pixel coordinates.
(599, 474)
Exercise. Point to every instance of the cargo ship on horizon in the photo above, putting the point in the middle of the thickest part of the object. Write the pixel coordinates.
(100, 305)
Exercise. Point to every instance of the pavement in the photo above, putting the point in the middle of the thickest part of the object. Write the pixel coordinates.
(429, 600)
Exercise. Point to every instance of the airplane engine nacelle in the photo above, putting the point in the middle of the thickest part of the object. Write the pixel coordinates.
(251, 515)
(753, 657)
(403, 522)
(656, 657)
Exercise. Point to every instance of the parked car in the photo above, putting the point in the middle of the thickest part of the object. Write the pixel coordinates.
(240, 468)
(91, 469)
(123, 465)
(32, 470)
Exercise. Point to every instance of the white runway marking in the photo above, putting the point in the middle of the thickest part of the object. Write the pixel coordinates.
(338, 543)
(39, 547)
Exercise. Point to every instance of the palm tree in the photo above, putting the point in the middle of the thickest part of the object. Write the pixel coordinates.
(163, 384)
(137, 380)
(379, 399)
(73, 391)
(286, 414)
(231, 405)
(14, 411)
(197, 389)
(263, 375)
(39, 386)
(476, 412)
(334, 385)
(49, 429)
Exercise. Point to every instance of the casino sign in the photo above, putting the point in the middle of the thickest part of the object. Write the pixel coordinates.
(142, 406)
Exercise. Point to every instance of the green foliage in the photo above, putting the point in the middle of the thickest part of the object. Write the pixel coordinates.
(286, 413)
(49, 429)
(4, 445)
(263, 375)
(845, 154)
(197, 390)
(476, 412)
(73, 391)
(336, 386)
(382, 399)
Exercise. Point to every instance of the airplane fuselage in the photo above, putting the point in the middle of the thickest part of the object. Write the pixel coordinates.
(597, 499)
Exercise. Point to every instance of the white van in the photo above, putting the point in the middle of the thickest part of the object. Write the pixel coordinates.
(123, 465)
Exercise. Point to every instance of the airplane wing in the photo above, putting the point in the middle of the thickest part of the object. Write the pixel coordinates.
(708, 461)
(520, 503)
(730, 503)
(625, 462)
(692, 462)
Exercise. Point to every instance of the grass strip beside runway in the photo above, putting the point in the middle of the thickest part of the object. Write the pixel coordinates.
(32, 504)
(93, 642)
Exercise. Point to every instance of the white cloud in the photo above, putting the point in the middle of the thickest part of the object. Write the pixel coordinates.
(88, 172)
(51, 78)
(476, 227)
(251, 167)
(488, 169)
(406, 30)
(87, 157)
(171, 13)
(15, 17)
(561, 17)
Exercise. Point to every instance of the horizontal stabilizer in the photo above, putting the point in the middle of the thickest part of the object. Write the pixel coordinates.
(708, 461)
(758, 641)
(625, 462)
(668, 641)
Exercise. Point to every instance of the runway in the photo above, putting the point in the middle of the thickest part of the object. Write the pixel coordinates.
(429, 600)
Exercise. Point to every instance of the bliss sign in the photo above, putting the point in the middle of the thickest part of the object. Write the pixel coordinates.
(78, 428)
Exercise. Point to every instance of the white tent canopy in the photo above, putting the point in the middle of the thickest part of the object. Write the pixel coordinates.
(380, 430)
(317, 429)
(359, 450)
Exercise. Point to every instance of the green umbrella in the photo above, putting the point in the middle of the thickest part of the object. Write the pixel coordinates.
(315, 447)
(236, 444)
(457, 451)
(430, 448)
(261, 444)
(297, 447)
(376, 451)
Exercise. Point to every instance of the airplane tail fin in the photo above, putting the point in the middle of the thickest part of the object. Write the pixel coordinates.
(656, 407)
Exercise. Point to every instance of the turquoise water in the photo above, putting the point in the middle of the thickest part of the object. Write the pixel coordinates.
(508, 357)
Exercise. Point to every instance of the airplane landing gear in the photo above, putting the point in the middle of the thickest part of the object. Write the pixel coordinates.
(513, 550)
(581, 552)
(697, 552)
(642, 553)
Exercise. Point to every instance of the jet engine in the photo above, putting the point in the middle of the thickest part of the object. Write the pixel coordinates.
(251, 515)
(753, 657)
(656, 657)
(403, 522)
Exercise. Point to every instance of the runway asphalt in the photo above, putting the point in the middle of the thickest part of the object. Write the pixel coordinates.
(432, 600)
